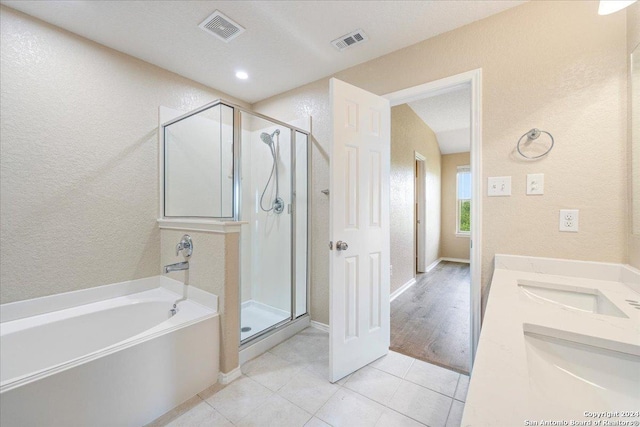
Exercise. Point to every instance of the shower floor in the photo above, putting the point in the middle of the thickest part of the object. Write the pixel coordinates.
(258, 317)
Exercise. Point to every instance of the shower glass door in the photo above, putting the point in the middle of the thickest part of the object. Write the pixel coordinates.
(266, 241)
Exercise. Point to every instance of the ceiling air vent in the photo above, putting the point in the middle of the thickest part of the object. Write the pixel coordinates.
(221, 26)
(348, 40)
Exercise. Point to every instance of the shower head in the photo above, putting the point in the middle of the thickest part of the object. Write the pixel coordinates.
(268, 139)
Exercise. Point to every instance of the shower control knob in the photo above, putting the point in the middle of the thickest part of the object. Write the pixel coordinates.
(185, 246)
(341, 246)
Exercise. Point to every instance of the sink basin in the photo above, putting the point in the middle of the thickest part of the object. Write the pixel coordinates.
(581, 371)
(585, 300)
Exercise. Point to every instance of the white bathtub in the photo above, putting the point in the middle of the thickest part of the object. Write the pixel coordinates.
(108, 356)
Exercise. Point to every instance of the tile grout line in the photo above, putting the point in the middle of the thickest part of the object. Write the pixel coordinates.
(368, 398)
(430, 389)
(426, 388)
(275, 393)
(390, 408)
(449, 413)
(397, 376)
(398, 412)
(395, 391)
(214, 409)
(313, 414)
(410, 417)
(457, 385)
(409, 368)
(259, 406)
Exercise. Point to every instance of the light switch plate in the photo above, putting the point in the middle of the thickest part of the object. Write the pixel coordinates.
(499, 186)
(535, 183)
(569, 220)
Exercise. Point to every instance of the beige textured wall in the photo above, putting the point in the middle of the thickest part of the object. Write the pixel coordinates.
(633, 26)
(556, 65)
(633, 41)
(408, 135)
(79, 159)
(452, 246)
(230, 325)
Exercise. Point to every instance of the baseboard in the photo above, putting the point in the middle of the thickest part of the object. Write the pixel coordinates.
(412, 282)
(322, 326)
(230, 376)
(433, 265)
(466, 261)
(395, 294)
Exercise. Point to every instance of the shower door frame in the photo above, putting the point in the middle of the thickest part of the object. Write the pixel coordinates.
(237, 203)
(237, 172)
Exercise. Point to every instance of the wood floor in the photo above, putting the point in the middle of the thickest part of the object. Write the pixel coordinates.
(430, 321)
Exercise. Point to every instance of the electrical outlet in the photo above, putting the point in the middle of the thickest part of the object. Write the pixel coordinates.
(569, 220)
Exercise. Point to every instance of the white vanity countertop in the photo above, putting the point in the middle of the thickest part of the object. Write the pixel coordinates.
(503, 393)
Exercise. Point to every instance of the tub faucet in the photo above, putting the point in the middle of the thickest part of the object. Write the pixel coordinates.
(186, 247)
(178, 266)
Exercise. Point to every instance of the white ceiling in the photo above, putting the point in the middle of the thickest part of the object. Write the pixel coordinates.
(286, 45)
(449, 116)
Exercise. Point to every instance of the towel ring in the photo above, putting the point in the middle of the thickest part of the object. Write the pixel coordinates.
(534, 134)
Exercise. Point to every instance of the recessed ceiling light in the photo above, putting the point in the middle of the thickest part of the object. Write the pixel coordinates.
(242, 75)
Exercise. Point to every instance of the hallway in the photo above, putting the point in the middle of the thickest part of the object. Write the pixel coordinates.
(430, 321)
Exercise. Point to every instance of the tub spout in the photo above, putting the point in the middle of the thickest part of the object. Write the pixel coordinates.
(179, 266)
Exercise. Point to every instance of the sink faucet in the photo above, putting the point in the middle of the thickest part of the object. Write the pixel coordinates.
(178, 266)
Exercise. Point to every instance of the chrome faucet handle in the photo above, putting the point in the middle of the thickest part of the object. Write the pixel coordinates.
(185, 246)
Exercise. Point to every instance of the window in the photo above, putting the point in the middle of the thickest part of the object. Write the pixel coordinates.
(463, 196)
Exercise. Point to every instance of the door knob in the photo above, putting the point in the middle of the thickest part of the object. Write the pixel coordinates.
(341, 246)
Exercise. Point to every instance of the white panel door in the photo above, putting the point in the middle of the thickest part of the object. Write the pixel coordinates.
(359, 204)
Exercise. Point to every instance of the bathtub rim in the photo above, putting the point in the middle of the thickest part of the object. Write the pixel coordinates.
(46, 304)
(16, 382)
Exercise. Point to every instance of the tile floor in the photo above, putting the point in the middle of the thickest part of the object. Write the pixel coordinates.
(288, 386)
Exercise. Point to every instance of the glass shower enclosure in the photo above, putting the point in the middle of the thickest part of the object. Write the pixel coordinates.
(225, 163)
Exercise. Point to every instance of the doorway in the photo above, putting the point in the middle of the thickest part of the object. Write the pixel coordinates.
(472, 81)
(359, 326)
(419, 198)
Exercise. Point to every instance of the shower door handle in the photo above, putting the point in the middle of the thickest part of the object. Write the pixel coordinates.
(341, 246)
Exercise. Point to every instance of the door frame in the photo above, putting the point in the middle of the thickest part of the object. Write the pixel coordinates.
(472, 79)
(420, 200)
